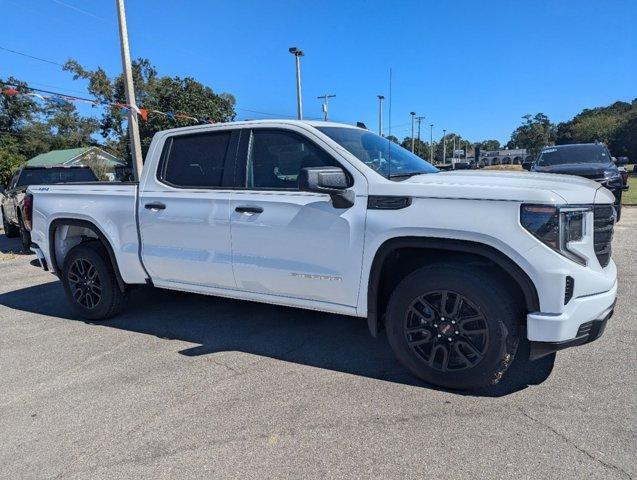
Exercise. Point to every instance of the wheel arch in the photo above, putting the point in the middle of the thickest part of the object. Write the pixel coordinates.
(98, 235)
(451, 249)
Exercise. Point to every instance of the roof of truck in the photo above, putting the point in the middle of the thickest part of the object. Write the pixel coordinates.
(287, 121)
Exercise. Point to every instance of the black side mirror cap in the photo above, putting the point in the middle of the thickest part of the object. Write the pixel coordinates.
(330, 180)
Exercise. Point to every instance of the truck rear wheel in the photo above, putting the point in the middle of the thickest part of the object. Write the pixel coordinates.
(453, 326)
(89, 282)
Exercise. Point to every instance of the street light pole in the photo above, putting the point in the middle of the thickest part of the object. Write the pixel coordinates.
(380, 114)
(133, 127)
(413, 117)
(299, 102)
(326, 98)
(444, 146)
(431, 143)
(419, 119)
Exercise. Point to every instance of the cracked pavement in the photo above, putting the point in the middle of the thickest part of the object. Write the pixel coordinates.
(186, 386)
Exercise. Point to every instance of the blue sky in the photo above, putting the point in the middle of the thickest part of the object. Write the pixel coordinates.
(474, 67)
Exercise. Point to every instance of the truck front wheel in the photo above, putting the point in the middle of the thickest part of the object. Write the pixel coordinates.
(89, 282)
(453, 326)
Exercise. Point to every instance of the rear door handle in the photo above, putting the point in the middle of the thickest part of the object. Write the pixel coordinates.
(248, 210)
(154, 206)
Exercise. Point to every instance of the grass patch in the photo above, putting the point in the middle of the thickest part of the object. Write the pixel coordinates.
(630, 196)
(505, 167)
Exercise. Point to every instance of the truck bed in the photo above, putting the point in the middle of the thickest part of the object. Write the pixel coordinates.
(108, 206)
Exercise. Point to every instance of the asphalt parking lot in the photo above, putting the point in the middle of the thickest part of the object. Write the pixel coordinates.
(186, 386)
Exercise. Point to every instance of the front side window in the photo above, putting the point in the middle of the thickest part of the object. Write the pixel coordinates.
(381, 155)
(195, 160)
(276, 157)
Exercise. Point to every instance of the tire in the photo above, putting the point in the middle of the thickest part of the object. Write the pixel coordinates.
(467, 344)
(10, 230)
(25, 237)
(89, 282)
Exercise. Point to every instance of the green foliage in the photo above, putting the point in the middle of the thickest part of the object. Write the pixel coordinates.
(535, 133)
(166, 94)
(488, 145)
(10, 158)
(615, 125)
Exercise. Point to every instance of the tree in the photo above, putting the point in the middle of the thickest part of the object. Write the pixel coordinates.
(614, 125)
(153, 92)
(29, 127)
(488, 145)
(535, 133)
(10, 158)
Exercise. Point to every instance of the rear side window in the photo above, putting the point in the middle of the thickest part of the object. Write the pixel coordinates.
(195, 160)
(276, 158)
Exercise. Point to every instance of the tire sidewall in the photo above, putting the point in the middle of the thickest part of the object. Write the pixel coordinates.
(502, 329)
(92, 254)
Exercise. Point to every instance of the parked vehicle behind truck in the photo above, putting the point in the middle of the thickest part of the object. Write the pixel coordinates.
(457, 267)
(589, 160)
(13, 201)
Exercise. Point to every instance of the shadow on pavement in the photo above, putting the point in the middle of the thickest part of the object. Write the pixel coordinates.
(11, 245)
(316, 339)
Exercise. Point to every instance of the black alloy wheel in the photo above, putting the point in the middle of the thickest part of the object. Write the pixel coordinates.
(446, 330)
(85, 284)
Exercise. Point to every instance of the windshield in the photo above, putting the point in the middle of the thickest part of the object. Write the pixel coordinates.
(573, 154)
(378, 153)
(45, 176)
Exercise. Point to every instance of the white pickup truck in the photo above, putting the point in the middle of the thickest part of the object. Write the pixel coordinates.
(457, 267)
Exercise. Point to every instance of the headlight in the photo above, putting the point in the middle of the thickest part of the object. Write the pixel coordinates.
(612, 177)
(559, 227)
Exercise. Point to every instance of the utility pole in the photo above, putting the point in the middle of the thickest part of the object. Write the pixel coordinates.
(380, 114)
(431, 143)
(325, 98)
(419, 119)
(413, 117)
(299, 102)
(454, 148)
(444, 146)
(133, 127)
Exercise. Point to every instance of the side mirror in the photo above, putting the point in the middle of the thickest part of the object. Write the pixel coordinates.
(329, 180)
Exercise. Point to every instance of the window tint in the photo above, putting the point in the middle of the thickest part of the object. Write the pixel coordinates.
(276, 157)
(195, 160)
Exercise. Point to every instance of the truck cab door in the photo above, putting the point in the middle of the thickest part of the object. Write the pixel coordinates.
(184, 218)
(292, 243)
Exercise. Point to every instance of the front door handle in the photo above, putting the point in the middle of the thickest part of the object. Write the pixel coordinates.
(154, 206)
(248, 210)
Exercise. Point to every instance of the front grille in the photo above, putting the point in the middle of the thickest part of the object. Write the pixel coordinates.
(604, 216)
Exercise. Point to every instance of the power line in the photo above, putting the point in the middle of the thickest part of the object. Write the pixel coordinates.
(78, 9)
(31, 56)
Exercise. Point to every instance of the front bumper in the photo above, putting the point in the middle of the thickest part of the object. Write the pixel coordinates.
(582, 321)
(587, 332)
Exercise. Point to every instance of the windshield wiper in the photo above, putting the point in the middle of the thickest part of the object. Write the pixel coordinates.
(405, 175)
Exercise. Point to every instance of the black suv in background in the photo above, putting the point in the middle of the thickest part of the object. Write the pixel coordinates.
(590, 160)
(13, 201)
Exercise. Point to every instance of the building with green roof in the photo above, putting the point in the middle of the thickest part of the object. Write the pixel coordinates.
(75, 156)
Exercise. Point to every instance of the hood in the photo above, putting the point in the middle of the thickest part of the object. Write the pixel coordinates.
(496, 185)
(588, 170)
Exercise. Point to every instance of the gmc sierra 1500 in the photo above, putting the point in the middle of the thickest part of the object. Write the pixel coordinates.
(457, 267)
